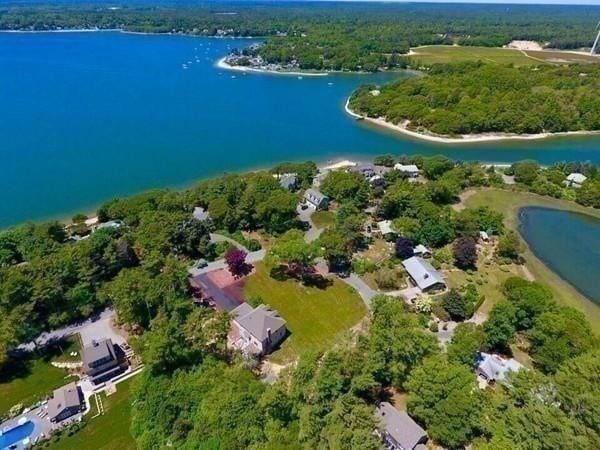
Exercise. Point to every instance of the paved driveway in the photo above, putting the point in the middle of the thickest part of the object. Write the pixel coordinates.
(363, 289)
(100, 323)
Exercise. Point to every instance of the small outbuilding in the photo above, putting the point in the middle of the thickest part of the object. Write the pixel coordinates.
(316, 199)
(398, 431)
(385, 229)
(65, 402)
(485, 237)
(423, 275)
(422, 251)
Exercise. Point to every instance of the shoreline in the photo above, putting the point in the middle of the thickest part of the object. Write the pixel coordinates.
(221, 64)
(466, 138)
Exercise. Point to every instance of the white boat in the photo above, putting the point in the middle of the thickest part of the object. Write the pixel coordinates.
(299, 78)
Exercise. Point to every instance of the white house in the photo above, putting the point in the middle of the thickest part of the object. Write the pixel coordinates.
(493, 368)
(575, 179)
(201, 214)
(255, 331)
(410, 169)
(316, 199)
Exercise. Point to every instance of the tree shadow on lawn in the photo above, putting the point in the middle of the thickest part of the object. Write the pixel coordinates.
(20, 362)
(308, 276)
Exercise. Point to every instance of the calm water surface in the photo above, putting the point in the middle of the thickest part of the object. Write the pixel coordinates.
(569, 243)
(88, 116)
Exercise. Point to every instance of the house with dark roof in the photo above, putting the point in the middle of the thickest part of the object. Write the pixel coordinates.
(102, 360)
(65, 402)
(423, 275)
(255, 331)
(398, 431)
(316, 199)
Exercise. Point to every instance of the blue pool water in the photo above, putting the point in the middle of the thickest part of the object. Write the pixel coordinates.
(16, 435)
(88, 116)
(568, 243)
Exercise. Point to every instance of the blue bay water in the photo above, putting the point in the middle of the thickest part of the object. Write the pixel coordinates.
(568, 243)
(88, 116)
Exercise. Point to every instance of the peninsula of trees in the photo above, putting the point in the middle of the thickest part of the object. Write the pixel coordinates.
(477, 98)
(325, 36)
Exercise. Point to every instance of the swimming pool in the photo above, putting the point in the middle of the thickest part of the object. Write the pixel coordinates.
(16, 434)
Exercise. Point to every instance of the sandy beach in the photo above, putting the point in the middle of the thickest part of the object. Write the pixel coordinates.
(221, 64)
(465, 138)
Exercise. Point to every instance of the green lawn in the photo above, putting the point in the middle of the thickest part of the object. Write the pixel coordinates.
(315, 317)
(109, 431)
(322, 219)
(509, 203)
(31, 380)
(433, 54)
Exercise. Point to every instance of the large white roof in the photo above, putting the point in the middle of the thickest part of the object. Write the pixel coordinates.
(423, 273)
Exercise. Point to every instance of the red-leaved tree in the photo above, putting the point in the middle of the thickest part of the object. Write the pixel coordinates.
(236, 262)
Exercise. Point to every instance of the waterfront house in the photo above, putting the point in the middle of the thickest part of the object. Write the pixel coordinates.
(493, 368)
(575, 179)
(101, 360)
(423, 275)
(65, 402)
(288, 181)
(114, 224)
(255, 331)
(201, 214)
(316, 199)
(398, 431)
(410, 169)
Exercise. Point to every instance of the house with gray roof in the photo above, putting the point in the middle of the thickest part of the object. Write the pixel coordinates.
(288, 181)
(423, 275)
(398, 431)
(316, 199)
(65, 402)
(101, 361)
(255, 331)
(493, 368)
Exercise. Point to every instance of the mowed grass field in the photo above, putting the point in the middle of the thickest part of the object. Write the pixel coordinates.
(322, 219)
(109, 431)
(315, 317)
(33, 380)
(509, 203)
(432, 54)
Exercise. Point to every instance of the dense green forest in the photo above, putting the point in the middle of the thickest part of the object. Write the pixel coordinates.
(321, 35)
(472, 98)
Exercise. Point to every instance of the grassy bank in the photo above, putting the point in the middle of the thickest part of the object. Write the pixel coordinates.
(109, 431)
(315, 316)
(29, 381)
(509, 203)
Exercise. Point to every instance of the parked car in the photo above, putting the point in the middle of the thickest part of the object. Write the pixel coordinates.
(201, 263)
